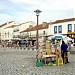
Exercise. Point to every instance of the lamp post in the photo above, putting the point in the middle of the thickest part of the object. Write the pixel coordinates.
(37, 14)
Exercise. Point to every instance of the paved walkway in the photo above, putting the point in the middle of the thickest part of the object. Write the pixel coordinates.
(22, 62)
(72, 51)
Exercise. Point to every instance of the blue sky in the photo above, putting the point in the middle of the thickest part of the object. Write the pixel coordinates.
(23, 10)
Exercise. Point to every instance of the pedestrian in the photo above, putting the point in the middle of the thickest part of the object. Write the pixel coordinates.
(69, 45)
(64, 52)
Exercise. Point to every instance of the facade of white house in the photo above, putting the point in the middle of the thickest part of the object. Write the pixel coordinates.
(24, 26)
(11, 30)
(62, 27)
(7, 30)
(58, 27)
(16, 33)
(8, 34)
(41, 33)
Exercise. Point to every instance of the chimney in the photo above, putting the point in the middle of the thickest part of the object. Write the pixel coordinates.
(44, 22)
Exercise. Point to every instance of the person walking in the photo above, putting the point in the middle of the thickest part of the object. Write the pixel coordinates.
(64, 53)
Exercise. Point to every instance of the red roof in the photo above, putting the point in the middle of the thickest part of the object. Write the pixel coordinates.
(41, 26)
(5, 24)
(26, 22)
(11, 26)
(64, 20)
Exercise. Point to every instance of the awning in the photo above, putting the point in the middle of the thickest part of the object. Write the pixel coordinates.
(23, 41)
(71, 33)
(58, 37)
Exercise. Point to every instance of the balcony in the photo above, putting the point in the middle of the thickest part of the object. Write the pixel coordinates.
(15, 30)
(16, 36)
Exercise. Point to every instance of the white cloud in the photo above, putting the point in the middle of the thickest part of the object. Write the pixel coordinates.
(49, 4)
(33, 2)
(2, 6)
(51, 9)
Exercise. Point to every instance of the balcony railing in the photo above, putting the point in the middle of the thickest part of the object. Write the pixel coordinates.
(15, 30)
(16, 36)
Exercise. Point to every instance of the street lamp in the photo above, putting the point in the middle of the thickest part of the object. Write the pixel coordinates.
(37, 14)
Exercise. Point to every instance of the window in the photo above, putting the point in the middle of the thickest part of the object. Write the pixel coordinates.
(55, 29)
(44, 32)
(60, 29)
(5, 34)
(8, 34)
(69, 27)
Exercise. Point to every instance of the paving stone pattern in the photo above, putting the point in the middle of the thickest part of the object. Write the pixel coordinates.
(22, 62)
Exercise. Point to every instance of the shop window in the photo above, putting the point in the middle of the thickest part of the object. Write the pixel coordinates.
(55, 29)
(69, 27)
(60, 29)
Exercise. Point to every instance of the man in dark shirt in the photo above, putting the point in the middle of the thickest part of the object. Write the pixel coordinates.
(64, 52)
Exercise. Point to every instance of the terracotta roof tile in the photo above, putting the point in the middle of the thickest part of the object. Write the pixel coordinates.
(5, 24)
(11, 26)
(41, 26)
(10, 21)
(25, 30)
(64, 20)
(26, 22)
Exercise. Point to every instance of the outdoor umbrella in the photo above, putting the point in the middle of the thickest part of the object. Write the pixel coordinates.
(58, 36)
(69, 39)
(22, 41)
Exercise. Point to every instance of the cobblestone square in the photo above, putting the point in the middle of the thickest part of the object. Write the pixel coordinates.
(22, 62)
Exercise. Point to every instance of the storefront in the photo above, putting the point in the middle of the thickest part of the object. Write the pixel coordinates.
(72, 35)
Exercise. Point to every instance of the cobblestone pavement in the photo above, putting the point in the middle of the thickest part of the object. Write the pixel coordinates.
(22, 62)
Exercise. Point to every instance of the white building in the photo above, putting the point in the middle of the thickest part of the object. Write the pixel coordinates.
(7, 30)
(24, 29)
(32, 32)
(24, 26)
(62, 26)
(14, 30)
(11, 30)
